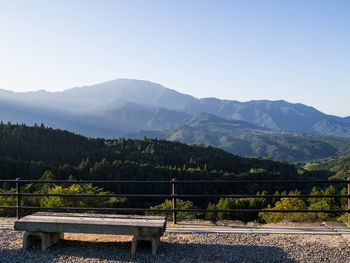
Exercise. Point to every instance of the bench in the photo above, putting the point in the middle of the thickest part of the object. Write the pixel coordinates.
(50, 227)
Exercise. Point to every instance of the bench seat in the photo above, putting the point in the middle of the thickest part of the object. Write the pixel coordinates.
(49, 227)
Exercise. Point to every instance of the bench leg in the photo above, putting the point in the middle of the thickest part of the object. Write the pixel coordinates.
(154, 240)
(155, 243)
(29, 238)
(47, 239)
(134, 245)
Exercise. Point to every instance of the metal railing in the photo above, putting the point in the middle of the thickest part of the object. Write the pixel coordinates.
(173, 195)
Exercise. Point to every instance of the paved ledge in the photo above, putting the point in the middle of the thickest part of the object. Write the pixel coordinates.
(340, 228)
(282, 228)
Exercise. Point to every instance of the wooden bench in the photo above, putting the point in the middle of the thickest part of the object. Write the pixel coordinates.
(49, 227)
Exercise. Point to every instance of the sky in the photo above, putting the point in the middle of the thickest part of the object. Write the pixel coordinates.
(297, 50)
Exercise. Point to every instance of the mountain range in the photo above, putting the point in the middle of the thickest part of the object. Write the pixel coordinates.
(246, 139)
(136, 108)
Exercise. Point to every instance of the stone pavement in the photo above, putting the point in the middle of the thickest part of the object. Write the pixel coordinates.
(340, 228)
(325, 228)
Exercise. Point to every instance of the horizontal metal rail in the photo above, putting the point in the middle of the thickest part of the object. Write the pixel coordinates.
(182, 182)
(177, 210)
(82, 182)
(176, 195)
(87, 195)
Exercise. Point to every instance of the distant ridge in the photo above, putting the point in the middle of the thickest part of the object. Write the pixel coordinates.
(119, 107)
(246, 139)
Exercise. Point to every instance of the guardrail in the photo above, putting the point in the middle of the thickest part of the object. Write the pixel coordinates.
(173, 195)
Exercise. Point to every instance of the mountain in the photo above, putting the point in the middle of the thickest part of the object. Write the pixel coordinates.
(110, 109)
(332, 127)
(276, 129)
(246, 139)
(90, 98)
(277, 115)
(346, 119)
(110, 99)
(131, 117)
(31, 114)
(205, 120)
(26, 113)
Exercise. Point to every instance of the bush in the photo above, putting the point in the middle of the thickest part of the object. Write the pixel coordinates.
(58, 201)
(286, 204)
(7, 201)
(180, 204)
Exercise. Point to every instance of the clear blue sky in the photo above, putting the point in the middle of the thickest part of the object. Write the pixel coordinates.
(241, 50)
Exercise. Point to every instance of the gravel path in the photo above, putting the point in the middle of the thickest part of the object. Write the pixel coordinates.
(175, 247)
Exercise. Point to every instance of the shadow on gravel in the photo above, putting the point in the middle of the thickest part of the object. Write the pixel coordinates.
(81, 251)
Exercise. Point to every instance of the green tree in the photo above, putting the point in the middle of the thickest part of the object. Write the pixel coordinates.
(286, 204)
(180, 204)
(326, 203)
(211, 216)
(59, 201)
(7, 201)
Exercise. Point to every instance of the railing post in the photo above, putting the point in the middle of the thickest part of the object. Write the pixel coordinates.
(18, 192)
(174, 199)
(348, 202)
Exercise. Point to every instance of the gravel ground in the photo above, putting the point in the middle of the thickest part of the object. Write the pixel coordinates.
(215, 248)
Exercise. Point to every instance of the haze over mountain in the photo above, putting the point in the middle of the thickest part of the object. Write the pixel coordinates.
(119, 107)
(107, 95)
(276, 115)
(110, 109)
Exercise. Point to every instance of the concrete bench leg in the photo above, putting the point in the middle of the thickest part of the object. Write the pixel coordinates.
(154, 240)
(47, 239)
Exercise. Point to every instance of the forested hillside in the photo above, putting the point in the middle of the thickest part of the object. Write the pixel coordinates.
(28, 152)
(335, 168)
(44, 153)
(40, 146)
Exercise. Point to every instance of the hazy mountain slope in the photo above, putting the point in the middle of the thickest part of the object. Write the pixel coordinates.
(245, 139)
(204, 120)
(41, 98)
(16, 112)
(277, 115)
(332, 127)
(102, 111)
(347, 119)
(136, 91)
(130, 117)
(88, 98)
(105, 110)
(23, 113)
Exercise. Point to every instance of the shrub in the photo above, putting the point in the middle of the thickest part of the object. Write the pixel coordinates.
(180, 204)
